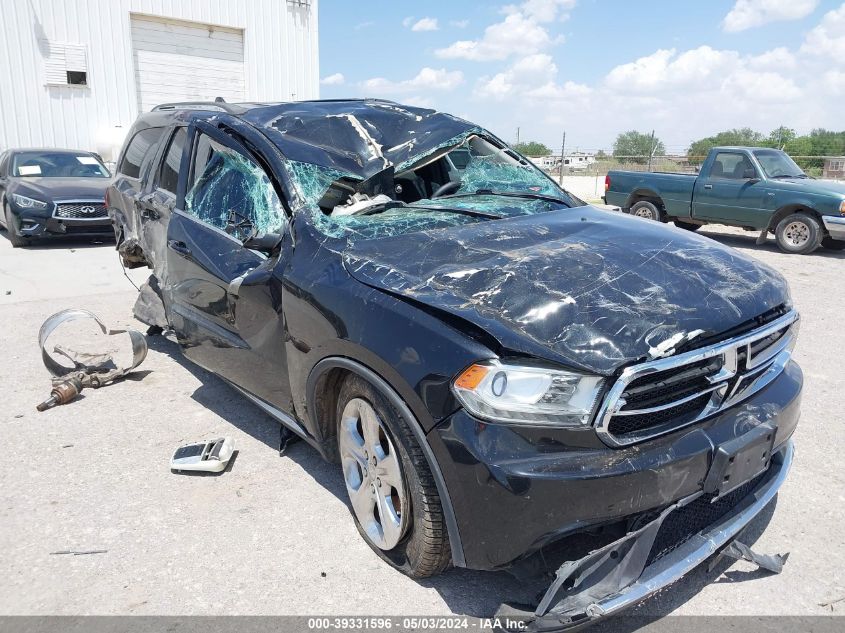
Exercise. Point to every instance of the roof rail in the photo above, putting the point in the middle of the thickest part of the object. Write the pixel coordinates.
(216, 106)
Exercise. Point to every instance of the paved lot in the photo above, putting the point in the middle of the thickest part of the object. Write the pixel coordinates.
(274, 536)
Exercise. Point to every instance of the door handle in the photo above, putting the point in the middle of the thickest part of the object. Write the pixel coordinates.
(179, 247)
(708, 186)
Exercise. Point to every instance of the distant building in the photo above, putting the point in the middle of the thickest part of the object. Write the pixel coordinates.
(574, 161)
(834, 167)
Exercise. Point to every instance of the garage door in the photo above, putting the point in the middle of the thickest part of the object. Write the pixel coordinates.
(186, 61)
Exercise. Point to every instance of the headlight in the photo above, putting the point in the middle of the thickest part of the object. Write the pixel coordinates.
(842, 208)
(529, 395)
(28, 203)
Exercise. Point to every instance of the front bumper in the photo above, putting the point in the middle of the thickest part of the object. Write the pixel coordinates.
(39, 226)
(517, 490)
(620, 575)
(835, 226)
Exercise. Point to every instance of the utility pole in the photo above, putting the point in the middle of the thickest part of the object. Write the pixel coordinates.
(650, 150)
(562, 154)
(517, 136)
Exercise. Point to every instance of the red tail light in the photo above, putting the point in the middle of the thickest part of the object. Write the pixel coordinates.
(606, 183)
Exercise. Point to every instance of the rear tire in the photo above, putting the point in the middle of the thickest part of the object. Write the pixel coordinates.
(377, 446)
(11, 228)
(687, 226)
(833, 245)
(647, 210)
(798, 233)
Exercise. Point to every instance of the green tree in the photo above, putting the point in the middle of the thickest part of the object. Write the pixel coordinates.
(636, 144)
(742, 137)
(532, 148)
(781, 137)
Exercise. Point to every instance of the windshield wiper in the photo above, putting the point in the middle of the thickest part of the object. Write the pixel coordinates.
(510, 194)
(380, 208)
(791, 176)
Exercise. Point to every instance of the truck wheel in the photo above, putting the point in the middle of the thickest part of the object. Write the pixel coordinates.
(12, 229)
(798, 233)
(689, 226)
(647, 210)
(392, 494)
(832, 244)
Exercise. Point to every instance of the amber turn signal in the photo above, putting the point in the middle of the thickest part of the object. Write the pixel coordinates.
(471, 377)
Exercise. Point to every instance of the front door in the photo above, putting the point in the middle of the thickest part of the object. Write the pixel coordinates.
(732, 192)
(222, 297)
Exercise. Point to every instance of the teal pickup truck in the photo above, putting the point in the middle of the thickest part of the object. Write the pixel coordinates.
(750, 187)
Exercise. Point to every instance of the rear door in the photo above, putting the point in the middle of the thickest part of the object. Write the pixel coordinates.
(222, 298)
(732, 192)
(132, 180)
(156, 204)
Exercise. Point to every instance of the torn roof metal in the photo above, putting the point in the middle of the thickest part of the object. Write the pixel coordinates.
(357, 137)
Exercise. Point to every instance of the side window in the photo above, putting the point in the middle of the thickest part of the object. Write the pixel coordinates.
(731, 166)
(231, 192)
(169, 176)
(138, 153)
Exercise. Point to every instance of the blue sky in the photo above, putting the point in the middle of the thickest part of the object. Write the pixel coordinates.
(595, 67)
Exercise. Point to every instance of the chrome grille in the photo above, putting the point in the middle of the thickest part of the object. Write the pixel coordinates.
(663, 395)
(81, 211)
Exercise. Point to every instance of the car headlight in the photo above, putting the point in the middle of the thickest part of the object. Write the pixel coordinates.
(517, 394)
(28, 203)
(842, 208)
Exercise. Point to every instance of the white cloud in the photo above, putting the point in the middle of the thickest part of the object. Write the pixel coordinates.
(336, 79)
(426, 79)
(408, 21)
(665, 69)
(521, 32)
(459, 24)
(828, 38)
(425, 24)
(747, 14)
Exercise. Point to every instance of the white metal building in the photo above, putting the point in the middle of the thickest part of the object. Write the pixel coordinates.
(76, 73)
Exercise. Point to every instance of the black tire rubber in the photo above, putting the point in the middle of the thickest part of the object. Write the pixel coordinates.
(833, 245)
(424, 549)
(687, 226)
(813, 226)
(12, 233)
(653, 209)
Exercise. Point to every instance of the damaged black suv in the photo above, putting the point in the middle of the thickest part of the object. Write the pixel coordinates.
(506, 376)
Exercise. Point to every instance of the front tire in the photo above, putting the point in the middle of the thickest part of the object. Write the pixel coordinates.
(647, 210)
(11, 228)
(833, 245)
(798, 233)
(392, 494)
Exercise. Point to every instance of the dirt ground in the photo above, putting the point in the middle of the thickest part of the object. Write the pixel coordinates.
(273, 535)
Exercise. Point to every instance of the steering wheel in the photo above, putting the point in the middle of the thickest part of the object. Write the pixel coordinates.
(449, 188)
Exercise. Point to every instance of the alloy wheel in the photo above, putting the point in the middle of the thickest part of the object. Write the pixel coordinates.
(797, 233)
(373, 475)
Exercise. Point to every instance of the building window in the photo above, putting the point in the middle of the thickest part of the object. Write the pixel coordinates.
(837, 165)
(66, 65)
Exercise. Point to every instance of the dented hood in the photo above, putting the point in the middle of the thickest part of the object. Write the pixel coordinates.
(589, 288)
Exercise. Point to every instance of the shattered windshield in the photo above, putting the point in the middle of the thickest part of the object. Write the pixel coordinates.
(467, 179)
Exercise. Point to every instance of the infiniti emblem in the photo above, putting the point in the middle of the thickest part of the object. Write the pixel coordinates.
(87, 210)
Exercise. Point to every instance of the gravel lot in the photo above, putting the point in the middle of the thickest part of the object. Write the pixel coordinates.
(273, 535)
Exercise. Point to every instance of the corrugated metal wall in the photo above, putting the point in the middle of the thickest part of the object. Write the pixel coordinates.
(280, 58)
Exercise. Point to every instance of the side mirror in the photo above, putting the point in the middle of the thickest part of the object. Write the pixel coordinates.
(750, 174)
(265, 243)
